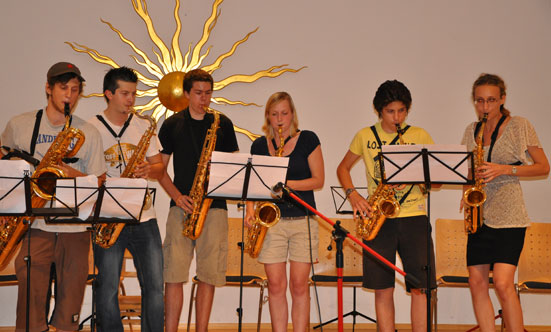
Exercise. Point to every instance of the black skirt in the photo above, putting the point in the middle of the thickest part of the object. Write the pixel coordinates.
(495, 245)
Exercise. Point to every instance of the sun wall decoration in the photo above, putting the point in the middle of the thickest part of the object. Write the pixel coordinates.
(164, 76)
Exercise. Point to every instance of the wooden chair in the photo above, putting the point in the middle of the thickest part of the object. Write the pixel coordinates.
(451, 258)
(534, 267)
(326, 270)
(130, 305)
(451, 261)
(253, 272)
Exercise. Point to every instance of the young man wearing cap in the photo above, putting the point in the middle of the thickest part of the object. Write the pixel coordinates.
(64, 246)
(121, 132)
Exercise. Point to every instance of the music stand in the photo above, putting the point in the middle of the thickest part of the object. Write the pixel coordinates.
(15, 201)
(117, 200)
(244, 177)
(342, 206)
(425, 164)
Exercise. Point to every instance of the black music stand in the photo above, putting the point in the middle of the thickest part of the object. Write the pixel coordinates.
(244, 177)
(425, 164)
(120, 208)
(11, 192)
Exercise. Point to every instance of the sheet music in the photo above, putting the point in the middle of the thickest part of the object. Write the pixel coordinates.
(14, 202)
(227, 174)
(84, 187)
(129, 193)
(413, 173)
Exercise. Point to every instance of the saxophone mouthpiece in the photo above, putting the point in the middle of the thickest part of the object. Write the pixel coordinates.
(67, 110)
(398, 128)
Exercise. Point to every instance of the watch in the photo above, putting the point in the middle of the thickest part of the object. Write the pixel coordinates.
(349, 191)
(514, 170)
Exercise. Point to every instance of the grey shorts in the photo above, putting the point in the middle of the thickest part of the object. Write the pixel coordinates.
(211, 248)
(290, 239)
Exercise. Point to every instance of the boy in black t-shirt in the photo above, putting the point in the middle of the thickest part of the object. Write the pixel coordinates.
(182, 135)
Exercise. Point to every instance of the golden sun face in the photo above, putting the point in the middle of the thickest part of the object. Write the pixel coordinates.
(165, 76)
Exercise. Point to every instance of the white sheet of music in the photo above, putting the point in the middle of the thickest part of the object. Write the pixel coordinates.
(85, 186)
(227, 174)
(15, 200)
(414, 171)
(129, 193)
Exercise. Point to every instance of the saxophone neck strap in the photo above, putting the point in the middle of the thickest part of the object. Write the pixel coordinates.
(35, 136)
(393, 142)
(123, 129)
(494, 134)
(35, 131)
(284, 142)
(118, 136)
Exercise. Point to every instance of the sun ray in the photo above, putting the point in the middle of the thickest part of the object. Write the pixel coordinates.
(222, 57)
(207, 28)
(93, 54)
(251, 78)
(244, 131)
(222, 100)
(140, 6)
(151, 67)
(176, 52)
(166, 61)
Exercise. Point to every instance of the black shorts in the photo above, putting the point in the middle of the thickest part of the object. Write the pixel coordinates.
(408, 237)
(495, 245)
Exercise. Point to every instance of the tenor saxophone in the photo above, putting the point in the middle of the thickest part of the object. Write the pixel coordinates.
(194, 221)
(475, 196)
(108, 233)
(43, 182)
(383, 205)
(266, 215)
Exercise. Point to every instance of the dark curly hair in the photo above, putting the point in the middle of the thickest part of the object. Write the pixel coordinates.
(391, 91)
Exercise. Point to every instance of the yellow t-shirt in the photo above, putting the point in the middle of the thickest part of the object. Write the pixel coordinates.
(365, 145)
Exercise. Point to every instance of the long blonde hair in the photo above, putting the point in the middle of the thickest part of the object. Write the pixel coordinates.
(274, 99)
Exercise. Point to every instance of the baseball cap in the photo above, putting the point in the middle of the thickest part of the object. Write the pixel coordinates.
(61, 68)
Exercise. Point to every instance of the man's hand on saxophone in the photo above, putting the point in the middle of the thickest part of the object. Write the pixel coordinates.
(142, 170)
(185, 202)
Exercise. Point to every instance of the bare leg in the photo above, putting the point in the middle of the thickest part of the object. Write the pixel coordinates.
(504, 281)
(277, 295)
(418, 310)
(203, 306)
(384, 307)
(479, 285)
(174, 299)
(300, 293)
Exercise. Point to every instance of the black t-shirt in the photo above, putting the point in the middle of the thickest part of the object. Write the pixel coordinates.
(299, 169)
(183, 137)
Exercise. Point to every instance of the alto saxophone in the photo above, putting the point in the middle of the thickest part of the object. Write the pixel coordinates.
(193, 222)
(266, 215)
(43, 182)
(475, 196)
(383, 205)
(108, 233)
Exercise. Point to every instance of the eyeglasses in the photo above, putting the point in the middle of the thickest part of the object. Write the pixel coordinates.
(482, 101)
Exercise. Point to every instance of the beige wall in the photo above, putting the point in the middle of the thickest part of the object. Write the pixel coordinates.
(437, 48)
